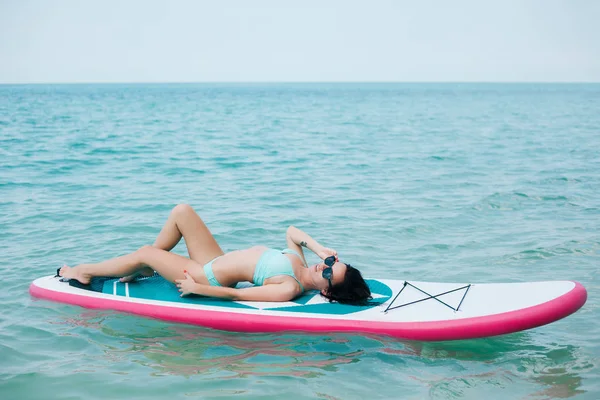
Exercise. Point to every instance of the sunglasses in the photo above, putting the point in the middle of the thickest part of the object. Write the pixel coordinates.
(328, 272)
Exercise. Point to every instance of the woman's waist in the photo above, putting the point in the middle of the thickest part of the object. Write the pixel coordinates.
(241, 264)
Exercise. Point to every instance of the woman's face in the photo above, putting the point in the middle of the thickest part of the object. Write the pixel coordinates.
(337, 276)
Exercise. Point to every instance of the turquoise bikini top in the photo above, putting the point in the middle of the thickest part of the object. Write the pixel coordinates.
(273, 263)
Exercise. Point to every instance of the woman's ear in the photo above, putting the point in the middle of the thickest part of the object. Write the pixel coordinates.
(323, 292)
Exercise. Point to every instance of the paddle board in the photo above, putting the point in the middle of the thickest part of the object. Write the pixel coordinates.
(427, 311)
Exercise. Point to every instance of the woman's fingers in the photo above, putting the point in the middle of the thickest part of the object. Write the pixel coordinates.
(180, 282)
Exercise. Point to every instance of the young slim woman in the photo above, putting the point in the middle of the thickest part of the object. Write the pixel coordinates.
(278, 275)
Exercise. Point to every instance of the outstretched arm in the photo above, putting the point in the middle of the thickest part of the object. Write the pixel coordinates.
(274, 292)
(296, 239)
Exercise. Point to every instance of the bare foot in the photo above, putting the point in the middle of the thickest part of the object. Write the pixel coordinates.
(74, 273)
(146, 272)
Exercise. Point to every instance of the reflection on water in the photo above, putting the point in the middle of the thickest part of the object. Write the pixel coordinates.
(560, 384)
(484, 350)
(513, 357)
(189, 351)
(523, 361)
(183, 350)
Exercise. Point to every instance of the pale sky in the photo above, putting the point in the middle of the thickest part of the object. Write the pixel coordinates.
(298, 41)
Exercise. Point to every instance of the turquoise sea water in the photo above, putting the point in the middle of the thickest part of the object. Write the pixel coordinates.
(439, 182)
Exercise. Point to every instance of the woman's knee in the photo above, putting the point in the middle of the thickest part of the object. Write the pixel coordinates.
(144, 253)
(182, 209)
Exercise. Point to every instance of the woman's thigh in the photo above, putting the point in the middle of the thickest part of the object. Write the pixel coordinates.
(170, 265)
(200, 242)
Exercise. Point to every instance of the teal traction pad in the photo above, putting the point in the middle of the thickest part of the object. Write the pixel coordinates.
(157, 288)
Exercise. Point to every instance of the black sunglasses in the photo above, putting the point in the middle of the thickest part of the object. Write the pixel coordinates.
(328, 272)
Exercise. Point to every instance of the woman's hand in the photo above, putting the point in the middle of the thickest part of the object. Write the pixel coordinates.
(186, 286)
(326, 252)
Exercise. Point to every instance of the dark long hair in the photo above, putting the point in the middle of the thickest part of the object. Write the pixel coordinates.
(353, 290)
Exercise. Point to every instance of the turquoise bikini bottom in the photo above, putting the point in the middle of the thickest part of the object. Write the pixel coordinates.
(210, 275)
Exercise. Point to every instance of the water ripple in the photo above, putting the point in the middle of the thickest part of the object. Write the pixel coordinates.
(457, 182)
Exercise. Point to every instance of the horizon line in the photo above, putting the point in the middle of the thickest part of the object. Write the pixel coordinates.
(287, 82)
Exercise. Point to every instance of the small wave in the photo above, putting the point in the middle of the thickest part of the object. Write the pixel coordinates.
(13, 140)
(179, 171)
(62, 118)
(572, 247)
(238, 164)
(552, 198)
(434, 246)
(514, 200)
(18, 184)
(103, 151)
(559, 179)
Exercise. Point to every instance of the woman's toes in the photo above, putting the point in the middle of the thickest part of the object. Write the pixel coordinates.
(64, 270)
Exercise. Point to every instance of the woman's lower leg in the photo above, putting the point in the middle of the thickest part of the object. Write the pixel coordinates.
(119, 266)
(170, 266)
(170, 234)
(185, 222)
